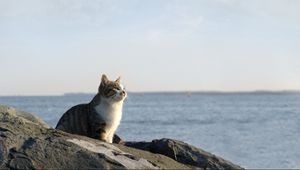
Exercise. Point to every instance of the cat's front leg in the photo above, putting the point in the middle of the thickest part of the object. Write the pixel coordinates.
(103, 134)
(110, 137)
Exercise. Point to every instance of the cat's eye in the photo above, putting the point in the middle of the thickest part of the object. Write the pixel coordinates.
(110, 92)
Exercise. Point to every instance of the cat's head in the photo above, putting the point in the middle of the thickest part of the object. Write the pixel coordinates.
(112, 90)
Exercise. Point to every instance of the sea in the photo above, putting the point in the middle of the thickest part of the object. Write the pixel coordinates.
(255, 130)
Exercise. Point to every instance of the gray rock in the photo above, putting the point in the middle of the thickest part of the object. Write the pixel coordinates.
(15, 113)
(184, 153)
(26, 142)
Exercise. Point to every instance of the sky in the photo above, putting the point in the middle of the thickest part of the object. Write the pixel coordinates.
(52, 47)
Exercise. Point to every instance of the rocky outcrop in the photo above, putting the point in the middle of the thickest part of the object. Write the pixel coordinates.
(184, 153)
(26, 142)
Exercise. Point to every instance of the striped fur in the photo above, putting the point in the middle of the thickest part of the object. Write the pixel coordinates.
(100, 118)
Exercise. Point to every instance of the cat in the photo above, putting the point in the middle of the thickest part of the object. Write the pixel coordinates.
(101, 117)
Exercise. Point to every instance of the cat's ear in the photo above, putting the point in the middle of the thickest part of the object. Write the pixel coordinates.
(118, 80)
(104, 79)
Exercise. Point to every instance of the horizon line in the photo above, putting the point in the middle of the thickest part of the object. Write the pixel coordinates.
(170, 91)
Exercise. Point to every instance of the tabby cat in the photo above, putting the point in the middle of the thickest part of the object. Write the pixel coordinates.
(101, 117)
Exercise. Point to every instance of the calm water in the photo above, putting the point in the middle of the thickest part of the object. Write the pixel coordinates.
(254, 130)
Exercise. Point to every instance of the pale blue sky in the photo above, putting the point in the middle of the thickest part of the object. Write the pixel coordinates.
(58, 46)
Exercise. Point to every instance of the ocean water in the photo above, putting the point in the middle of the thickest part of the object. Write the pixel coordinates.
(254, 130)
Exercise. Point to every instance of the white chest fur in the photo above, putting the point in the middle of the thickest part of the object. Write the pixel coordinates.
(111, 113)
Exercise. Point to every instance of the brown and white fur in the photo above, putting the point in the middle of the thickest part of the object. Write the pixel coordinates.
(101, 117)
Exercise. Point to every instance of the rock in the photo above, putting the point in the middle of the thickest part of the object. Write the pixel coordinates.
(117, 139)
(184, 153)
(26, 142)
(4, 110)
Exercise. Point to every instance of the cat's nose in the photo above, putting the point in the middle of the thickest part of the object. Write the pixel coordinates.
(123, 93)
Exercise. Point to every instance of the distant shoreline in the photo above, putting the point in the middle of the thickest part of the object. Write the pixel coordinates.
(172, 92)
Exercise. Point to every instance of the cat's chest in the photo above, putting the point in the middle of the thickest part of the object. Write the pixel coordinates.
(109, 113)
